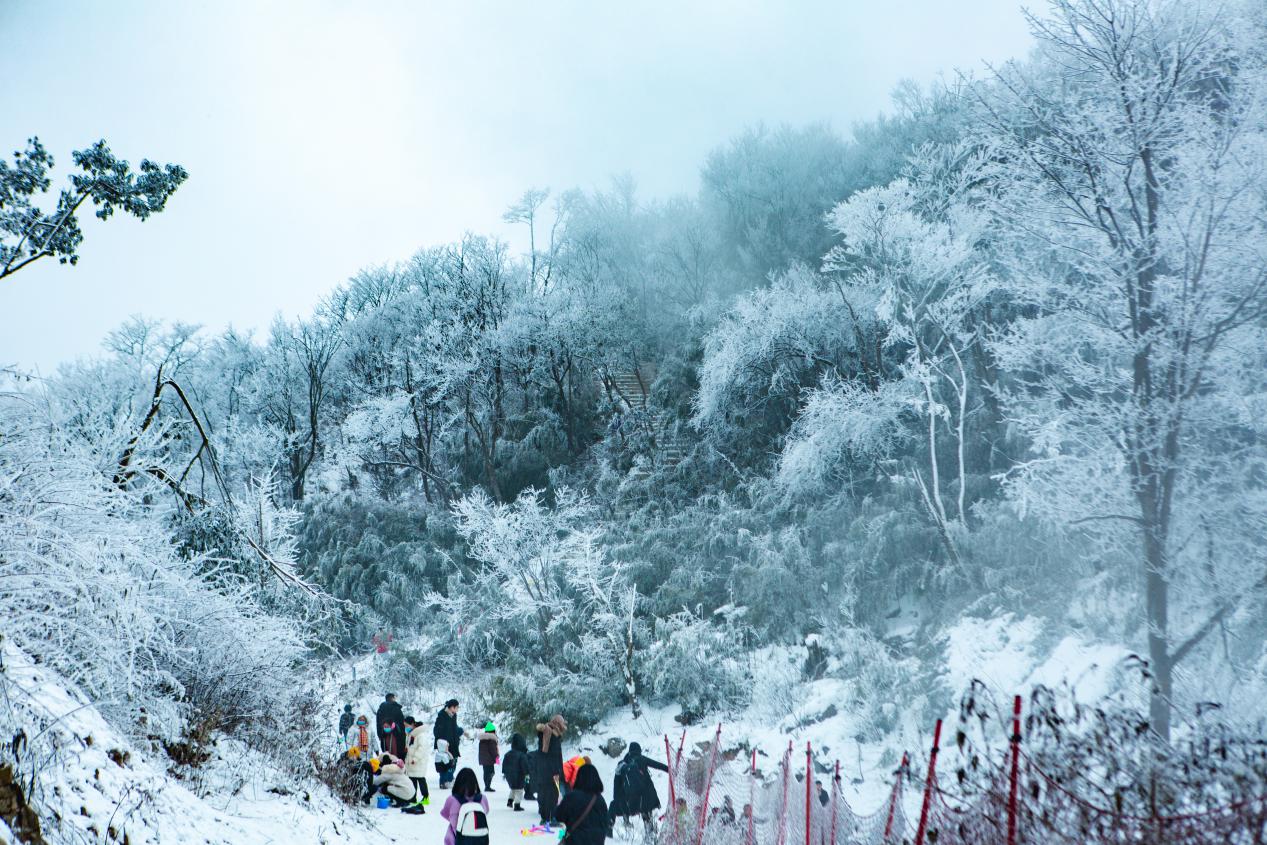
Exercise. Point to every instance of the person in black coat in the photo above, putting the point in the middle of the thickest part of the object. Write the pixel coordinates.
(530, 784)
(548, 771)
(583, 809)
(390, 721)
(515, 770)
(447, 728)
(346, 720)
(635, 794)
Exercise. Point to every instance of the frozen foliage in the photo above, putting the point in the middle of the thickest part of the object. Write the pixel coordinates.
(540, 602)
(775, 342)
(93, 586)
(861, 416)
(1137, 221)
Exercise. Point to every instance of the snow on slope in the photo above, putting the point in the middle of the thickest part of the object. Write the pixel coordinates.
(94, 786)
(96, 780)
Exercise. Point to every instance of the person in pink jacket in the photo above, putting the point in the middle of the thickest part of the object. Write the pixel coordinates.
(466, 806)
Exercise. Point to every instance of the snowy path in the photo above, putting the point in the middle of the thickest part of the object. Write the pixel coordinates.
(505, 825)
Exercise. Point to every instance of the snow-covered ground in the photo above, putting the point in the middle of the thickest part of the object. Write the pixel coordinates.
(99, 782)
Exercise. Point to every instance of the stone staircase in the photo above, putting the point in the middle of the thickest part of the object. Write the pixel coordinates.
(631, 389)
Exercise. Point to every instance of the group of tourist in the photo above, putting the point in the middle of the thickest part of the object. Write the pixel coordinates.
(394, 759)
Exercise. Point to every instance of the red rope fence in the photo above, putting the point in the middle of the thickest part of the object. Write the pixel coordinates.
(1017, 803)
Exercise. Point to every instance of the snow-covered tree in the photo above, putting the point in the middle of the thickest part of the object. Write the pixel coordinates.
(911, 261)
(1131, 178)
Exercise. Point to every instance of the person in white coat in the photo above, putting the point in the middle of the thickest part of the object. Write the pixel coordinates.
(392, 780)
(417, 761)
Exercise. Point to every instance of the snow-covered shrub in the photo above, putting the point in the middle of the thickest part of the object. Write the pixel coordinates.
(540, 608)
(382, 555)
(883, 687)
(92, 585)
(1206, 786)
(698, 663)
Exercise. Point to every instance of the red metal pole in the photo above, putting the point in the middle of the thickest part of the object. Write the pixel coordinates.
(809, 787)
(835, 797)
(752, 796)
(668, 759)
(928, 786)
(708, 786)
(1016, 752)
(895, 797)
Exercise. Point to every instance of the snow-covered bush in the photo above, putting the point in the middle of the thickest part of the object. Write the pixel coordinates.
(93, 585)
(541, 608)
(700, 664)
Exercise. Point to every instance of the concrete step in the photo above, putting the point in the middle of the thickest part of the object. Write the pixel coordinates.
(634, 392)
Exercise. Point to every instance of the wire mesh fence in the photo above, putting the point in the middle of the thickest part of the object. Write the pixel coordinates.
(720, 796)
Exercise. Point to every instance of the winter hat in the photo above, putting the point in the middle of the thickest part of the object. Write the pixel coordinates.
(347, 708)
(452, 702)
(490, 728)
(634, 749)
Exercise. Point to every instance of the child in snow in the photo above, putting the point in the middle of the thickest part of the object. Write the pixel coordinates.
(362, 742)
(445, 763)
(515, 771)
(569, 771)
(417, 760)
(489, 754)
(466, 811)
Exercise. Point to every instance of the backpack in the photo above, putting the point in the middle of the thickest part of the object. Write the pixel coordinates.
(628, 785)
(471, 826)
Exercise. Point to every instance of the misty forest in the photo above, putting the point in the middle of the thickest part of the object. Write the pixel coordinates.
(867, 432)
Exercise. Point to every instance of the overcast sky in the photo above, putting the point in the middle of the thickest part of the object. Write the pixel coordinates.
(321, 137)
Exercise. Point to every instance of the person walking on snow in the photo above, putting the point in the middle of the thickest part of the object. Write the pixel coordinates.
(466, 811)
(515, 771)
(391, 726)
(549, 766)
(583, 809)
(346, 720)
(634, 794)
(361, 741)
(489, 754)
(417, 761)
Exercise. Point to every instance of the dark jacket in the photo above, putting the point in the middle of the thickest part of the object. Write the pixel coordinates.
(346, 719)
(634, 792)
(390, 713)
(591, 831)
(515, 763)
(447, 729)
(489, 749)
(549, 763)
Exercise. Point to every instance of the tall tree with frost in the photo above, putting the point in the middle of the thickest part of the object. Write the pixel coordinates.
(1133, 182)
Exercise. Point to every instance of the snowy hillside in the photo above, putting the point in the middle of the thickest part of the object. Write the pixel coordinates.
(918, 467)
(93, 786)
